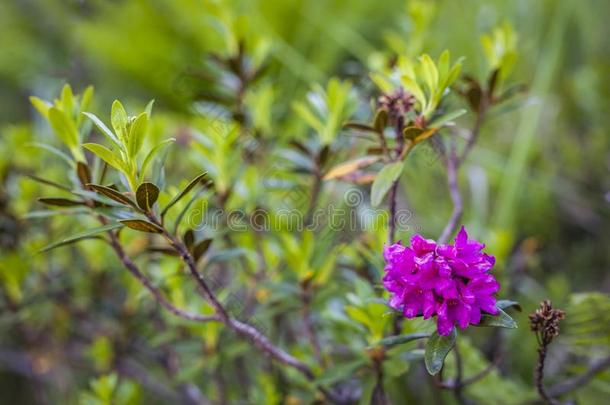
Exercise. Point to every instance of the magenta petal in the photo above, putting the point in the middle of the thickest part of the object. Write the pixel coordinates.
(463, 315)
(429, 305)
(421, 245)
(461, 238)
(444, 327)
(475, 316)
(451, 281)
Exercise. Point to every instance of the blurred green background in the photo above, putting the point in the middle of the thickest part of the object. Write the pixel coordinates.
(536, 187)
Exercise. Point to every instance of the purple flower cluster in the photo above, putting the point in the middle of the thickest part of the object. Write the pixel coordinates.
(450, 281)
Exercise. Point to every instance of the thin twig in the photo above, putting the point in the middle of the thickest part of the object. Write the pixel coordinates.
(474, 133)
(309, 327)
(392, 219)
(578, 381)
(539, 376)
(459, 385)
(241, 328)
(454, 192)
(133, 269)
(315, 195)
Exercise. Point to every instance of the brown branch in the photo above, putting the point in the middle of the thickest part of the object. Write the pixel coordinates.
(133, 269)
(454, 192)
(539, 376)
(392, 220)
(309, 327)
(571, 384)
(474, 133)
(315, 195)
(241, 328)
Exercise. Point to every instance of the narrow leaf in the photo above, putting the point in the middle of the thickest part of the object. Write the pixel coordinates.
(502, 320)
(200, 249)
(83, 173)
(67, 99)
(103, 129)
(41, 106)
(381, 120)
(60, 202)
(118, 119)
(503, 304)
(184, 192)
(384, 180)
(137, 133)
(47, 182)
(84, 104)
(63, 127)
(114, 195)
(80, 236)
(437, 348)
(146, 195)
(149, 107)
(189, 238)
(351, 166)
(149, 157)
(412, 132)
(53, 150)
(425, 135)
(359, 127)
(106, 155)
(141, 225)
(163, 250)
(400, 339)
(440, 121)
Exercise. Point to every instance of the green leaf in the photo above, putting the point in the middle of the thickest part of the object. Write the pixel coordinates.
(443, 63)
(67, 99)
(504, 304)
(113, 195)
(384, 84)
(149, 157)
(429, 72)
(60, 202)
(502, 320)
(400, 339)
(47, 182)
(308, 116)
(149, 107)
(103, 129)
(351, 166)
(340, 372)
(412, 132)
(107, 156)
(359, 127)
(41, 106)
(381, 120)
(146, 195)
(437, 348)
(83, 173)
(200, 249)
(118, 119)
(384, 180)
(184, 192)
(53, 150)
(137, 133)
(63, 127)
(141, 225)
(415, 89)
(80, 236)
(440, 121)
(367, 390)
(85, 103)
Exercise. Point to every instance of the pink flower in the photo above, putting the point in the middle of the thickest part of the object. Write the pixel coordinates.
(450, 281)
